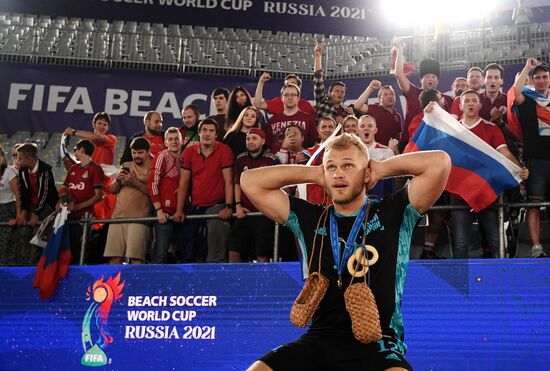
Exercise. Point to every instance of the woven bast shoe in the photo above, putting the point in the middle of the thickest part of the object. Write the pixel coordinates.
(362, 309)
(314, 289)
(360, 301)
(307, 302)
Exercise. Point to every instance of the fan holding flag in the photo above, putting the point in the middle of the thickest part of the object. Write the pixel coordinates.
(529, 121)
(483, 166)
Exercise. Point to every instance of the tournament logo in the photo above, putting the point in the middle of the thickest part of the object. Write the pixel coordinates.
(102, 296)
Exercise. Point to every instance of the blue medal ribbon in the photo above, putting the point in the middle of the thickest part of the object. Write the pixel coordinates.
(350, 244)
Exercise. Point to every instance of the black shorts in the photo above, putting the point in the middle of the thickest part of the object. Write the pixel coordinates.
(311, 352)
(253, 236)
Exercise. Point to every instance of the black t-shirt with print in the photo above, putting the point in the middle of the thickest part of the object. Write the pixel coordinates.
(389, 227)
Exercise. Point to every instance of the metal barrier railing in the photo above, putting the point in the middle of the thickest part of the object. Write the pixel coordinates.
(87, 222)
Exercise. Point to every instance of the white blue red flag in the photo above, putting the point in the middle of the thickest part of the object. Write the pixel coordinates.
(56, 257)
(479, 173)
(543, 112)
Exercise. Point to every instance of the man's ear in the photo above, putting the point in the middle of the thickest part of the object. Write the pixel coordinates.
(367, 173)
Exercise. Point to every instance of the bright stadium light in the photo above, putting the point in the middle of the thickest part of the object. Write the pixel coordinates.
(406, 13)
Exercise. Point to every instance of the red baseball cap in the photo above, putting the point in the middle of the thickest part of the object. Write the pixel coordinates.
(257, 131)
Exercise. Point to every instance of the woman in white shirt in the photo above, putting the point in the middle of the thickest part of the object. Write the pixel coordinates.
(9, 208)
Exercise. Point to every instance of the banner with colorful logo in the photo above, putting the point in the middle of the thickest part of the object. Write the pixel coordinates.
(225, 316)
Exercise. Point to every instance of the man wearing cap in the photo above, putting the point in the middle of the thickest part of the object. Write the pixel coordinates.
(251, 236)
(534, 118)
(429, 78)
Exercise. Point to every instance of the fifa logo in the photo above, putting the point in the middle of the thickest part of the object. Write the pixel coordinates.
(102, 296)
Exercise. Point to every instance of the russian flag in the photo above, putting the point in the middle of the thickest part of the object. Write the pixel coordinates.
(512, 114)
(56, 257)
(479, 173)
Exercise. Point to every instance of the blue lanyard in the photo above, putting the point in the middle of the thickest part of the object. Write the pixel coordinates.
(350, 244)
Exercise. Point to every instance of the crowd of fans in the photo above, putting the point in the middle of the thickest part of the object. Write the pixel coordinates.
(195, 169)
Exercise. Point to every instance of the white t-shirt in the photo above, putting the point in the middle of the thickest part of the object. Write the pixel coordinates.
(379, 152)
(6, 194)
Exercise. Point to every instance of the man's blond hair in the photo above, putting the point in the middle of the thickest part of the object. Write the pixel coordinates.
(345, 141)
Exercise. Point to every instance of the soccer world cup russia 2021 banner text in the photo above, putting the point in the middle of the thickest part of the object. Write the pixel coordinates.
(345, 17)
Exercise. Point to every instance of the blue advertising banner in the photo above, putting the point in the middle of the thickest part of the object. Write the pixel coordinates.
(50, 98)
(459, 315)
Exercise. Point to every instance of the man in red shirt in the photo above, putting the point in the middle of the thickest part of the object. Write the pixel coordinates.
(425, 98)
(276, 105)
(388, 120)
(314, 192)
(104, 153)
(462, 220)
(437, 218)
(104, 143)
(81, 191)
(429, 78)
(460, 85)
(291, 116)
(152, 122)
(292, 151)
(493, 101)
(251, 236)
(162, 186)
(206, 174)
(474, 81)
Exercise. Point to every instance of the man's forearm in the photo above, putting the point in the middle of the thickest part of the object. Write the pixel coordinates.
(402, 80)
(183, 192)
(258, 95)
(414, 164)
(317, 63)
(229, 198)
(509, 155)
(91, 201)
(115, 187)
(279, 176)
(519, 84)
(90, 136)
(363, 98)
